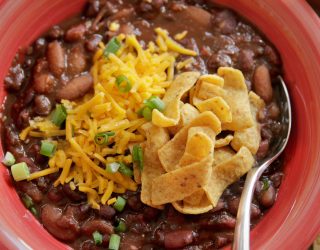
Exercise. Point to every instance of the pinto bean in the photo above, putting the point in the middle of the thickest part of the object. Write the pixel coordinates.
(76, 33)
(199, 16)
(43, 83)
(42, 105)
(14, 80)
(75, 88)
(246, 59)
(61, 226)
(226, 22)
(101, 226)
(178, 238)
(233, 205)
(262, 83)
(76, 60)
(79, 212)
(56, 58)
(273, 111)
(23, 118)
(267, 197)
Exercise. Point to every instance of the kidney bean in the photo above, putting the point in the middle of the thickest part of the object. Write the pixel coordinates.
(61, 226)
(56, 58)
(42, 105)
(135, 203)
(178, 238)
(131, 242)
(75, 88)
(218, 221)
(30, 189)
(76, 60)
(76, 33)
(246, 59)
(150, 213)
(74, 195)
(43, 83)
(272, 55)
(101, 226)
(267, 197)
(226, 22)
(55, 194)
(199, 16)
(92, 44)
(262, 83)
(122, 14)
(80, 212)
(107, 212)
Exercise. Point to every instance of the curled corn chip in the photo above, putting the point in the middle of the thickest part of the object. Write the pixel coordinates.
(224, 141)
(171, 113)
(187, 114)
(185, 208)
(228, 172)
(195, 198)
(236, 95)
(203, 136)
(183, 182)
(171, 153)
(250, 137)
(156, 138)
(214, 79)
(218, 106)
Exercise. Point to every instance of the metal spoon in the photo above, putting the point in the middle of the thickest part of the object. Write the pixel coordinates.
(242, 230)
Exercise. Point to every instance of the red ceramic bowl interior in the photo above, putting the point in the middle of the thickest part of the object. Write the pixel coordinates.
(293, 28)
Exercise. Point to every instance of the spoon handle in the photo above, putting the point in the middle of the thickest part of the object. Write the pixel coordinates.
(242, 231)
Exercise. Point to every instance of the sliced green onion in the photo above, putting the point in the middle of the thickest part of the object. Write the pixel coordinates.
(266, 184)
(27, 201)
(112, 47)
(59, 115)
(121, 227)
(113, 167)
(34, 211)
(20, 171)
(97, 238)
(8, 159)
(124, 169)
(114, 242)
(137, 155)
(155, 102)
(47, 148)
(119, 204)
(147, 113)
(123, 84)
(103, 138)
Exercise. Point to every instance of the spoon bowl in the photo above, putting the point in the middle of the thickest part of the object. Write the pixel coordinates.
(242, 229)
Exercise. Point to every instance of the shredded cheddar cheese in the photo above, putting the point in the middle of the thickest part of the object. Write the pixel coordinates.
(79, 159)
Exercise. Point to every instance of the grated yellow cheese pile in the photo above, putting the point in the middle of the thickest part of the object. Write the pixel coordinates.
(81, 161)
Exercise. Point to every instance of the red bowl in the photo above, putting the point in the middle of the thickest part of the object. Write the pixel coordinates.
(293, 28)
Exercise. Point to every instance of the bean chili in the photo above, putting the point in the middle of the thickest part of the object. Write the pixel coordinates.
(56, 66)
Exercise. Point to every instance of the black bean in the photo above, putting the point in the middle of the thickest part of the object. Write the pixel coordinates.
(150, 213)
(55, 194)
(107, 212)
(267, 197)
(74, 195)
(42, 105)
(276, 179)
(134, 203)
